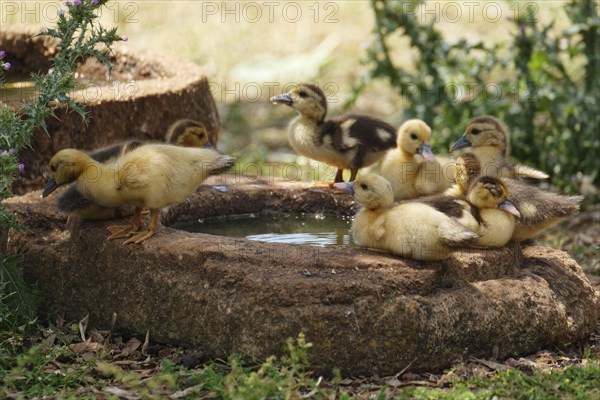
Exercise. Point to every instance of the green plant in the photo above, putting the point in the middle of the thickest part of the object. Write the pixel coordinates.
(287, 378)
(545, 84)
(80, 36)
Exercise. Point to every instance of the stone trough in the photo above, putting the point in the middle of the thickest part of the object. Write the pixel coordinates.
(146, 93)
(365, 312)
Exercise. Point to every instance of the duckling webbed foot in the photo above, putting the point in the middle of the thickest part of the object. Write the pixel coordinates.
(139, 237)
(125, 231)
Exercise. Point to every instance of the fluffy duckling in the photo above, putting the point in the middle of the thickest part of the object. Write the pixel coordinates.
(76, 205)
(350, 141)
(412, 169)
(539, 209)
(151, 176)
(189, 133)
(496, 213)
(411, 229)
(489, 139)
(184, 132)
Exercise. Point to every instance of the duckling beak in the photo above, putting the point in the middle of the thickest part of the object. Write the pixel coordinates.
(50, 187)
(510, 208)
(425, 151)
(461, 143)
(282, 99)
(346, 186)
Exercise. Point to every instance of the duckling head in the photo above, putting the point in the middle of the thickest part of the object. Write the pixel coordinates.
(490, 192)
(468, 168)
(372, 191)
(484, 131)
(308, 99)
(413, 138)
(188, 133)
(64, 167)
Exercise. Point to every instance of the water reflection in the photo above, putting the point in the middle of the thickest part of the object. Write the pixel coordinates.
(314, 230)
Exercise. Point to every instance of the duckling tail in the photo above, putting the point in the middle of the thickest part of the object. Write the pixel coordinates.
(221, 164)
(453, 234)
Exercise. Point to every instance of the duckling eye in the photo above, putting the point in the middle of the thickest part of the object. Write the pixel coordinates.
(364, 186)
(303, 94)
(53, 167)
(413, 136)
(475, 131)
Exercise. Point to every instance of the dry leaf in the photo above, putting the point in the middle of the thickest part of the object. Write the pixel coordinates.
(83, 324)
(122, 393)
(186, 392)
(87, 346)
(146, 343)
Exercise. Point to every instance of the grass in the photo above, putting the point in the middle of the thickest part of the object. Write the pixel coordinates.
(90, 370)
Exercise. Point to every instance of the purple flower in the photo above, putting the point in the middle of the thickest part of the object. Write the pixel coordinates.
(77, 2)
(60, 12)
(1, 152)
(7, 66)
(68, 4)
(2, 53)
(95, 1)
(21, 167)
(11, 151)
(522, 28)
(125, 38)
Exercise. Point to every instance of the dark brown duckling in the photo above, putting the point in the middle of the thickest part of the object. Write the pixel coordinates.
(350, 141)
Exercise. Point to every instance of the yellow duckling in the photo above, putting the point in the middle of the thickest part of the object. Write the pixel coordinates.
(490, 142)
(412, 169)
(539, 209)
(185, 132)
(410, 229)
(151, 176)
(350, 141)
(494, 210)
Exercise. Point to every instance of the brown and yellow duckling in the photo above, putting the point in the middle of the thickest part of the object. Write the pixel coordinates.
(411, 229)
(489, 140)
(412, 169)
(349, 141)
(496, 214)
(151, 176)
(539, 209)
(185, 132)
(189, 133)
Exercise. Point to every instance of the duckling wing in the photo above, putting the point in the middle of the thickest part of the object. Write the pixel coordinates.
(377, 228)
(351, 130)
(113, 151)
(537, 205)
(456, 208)
(72, 200)
(526, 172)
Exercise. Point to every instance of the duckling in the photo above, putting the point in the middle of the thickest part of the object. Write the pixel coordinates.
(189, 133)
(410, 229)
(496, 213)
(151, 176)
(184, 132)
(489, 139)
(412, 169)
(349, 141)
(539, 209)
(467, 169)
(76, 205)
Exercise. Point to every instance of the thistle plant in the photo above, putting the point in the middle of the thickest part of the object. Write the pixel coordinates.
(79, 36)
